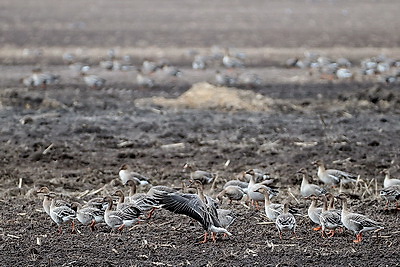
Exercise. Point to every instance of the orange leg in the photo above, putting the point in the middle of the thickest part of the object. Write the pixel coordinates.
(280, 235)
(317, 228)
(397, 206)
(59, 229)
(323, 234)
(213, 236)
(121, 228)
(73, 227)
(331, 233)
(358, 238)
(257, 205)
(92, 225)
(387, 205)
(205, 238)
(151, 213)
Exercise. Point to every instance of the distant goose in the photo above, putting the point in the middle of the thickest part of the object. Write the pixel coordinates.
(93, 81)
(230, 61)
(144, 81)
(223, 79)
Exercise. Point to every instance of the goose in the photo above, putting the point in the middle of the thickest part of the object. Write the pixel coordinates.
(285, 221)
(121, 218)
(330, 218)
(145, 202)
(314, 212)
(355, 222)
(48, 197)
(199, 63)
(226, 218)
(144, 81)
(93, 81)
(238, 183)
(223, 79)
(61, 214)
(391, 193)
(333, 177)
(389, 181)
(250, 80)
(149, 67)
(307, 189)
(204, 177)
(198, 206)
(232, 192)
(169, 70)
(126, 173)
(230, 61)
(89, 215)
(252, 190)
(273, 210)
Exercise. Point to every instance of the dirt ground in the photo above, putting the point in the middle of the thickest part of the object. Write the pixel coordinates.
(74, 139)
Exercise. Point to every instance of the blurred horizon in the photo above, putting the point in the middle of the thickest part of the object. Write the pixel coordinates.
(282, 24)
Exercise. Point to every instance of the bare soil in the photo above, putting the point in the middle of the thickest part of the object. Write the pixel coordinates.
(351, 125)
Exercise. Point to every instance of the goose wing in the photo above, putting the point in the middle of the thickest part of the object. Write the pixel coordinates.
(341, 176)
(187, 204)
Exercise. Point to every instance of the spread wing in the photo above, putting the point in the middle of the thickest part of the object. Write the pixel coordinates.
(187, 204)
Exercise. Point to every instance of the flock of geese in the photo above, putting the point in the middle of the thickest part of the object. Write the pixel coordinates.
(253, 186)
(229, 69)
(219, 59)
(381, 67)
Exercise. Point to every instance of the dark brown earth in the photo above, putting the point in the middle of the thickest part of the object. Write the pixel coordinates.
(352, 125)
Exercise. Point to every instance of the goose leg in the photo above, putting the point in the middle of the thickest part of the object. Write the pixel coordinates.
(387, 205)
(73, 227)
(92, 225)
(151, 213)
(121, 228)
(205, 238)
(358, 238)
(280, 234)
(213, 236)
(317, 228)
(59, 229)
(331, 233)
(323, 233)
